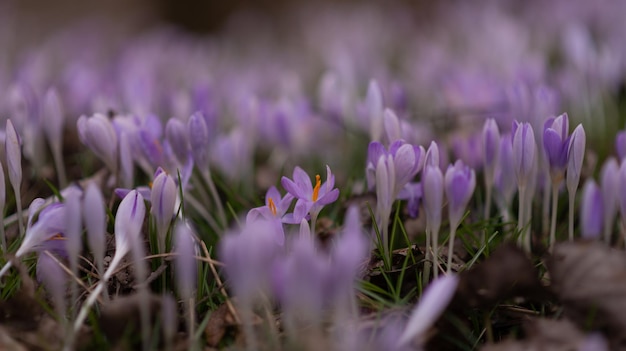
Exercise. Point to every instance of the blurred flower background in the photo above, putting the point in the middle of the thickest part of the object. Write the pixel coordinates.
(194, 112)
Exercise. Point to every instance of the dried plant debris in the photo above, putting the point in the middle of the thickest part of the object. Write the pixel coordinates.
(551, 335)
(505, 274)
(220, 321)
(589, 278)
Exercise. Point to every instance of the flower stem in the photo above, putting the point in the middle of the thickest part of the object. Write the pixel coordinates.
(572, 198)
(521, 190)
(453, 227)
(555, 202)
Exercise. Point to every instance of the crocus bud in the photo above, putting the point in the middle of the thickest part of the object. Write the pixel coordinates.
(54, 279)
(128, 222)
(432, 181)
(392, 126)
(199, 140)
(185, 263)
(177, 136)
(50, 223)
(95, 223)
(432, 155)
(555, 145)
(460, 182)
(127, 169)
(73, 228)
(434, 301)
(609, 183)
(491, 147)
(523, 152)
(591, 215)
(505, 174)
(374, 105)
(163, 199)
(98, 134)
(14, 156)
(575, 155)
(620, 144)
(52, 118)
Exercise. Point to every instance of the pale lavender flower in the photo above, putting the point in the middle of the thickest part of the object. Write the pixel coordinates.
(459, 185)
(432, 182)
(405, 159)
(311, 199)
(555, 145)
(505, 176)
(523, 152)
(247, 256)
(127, 168)
(95, 223)
(575, 156)
(163, 199)
(609, 183)
(128, 222)
(51, 222)
(54, 279)
(12, 148)
(460, 182)
(73, 226)
(274, 211)
(98, 134)
(491, 151)
(413, 193)
(199, 140)
(177, 137)
(432, 155)
(591, 211)
(432, 304)
(392, 126)
(53, 122)
(374, 106)
(185, 264)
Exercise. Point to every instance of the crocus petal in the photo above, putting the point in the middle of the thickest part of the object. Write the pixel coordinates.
(199, 140)
(392, 126)
(405, 165)
(575, 155)
(434, 301)
(302, 180)
(591, 216)
(52, 117)
(185, 263)
(13, 155)
(176, 135)
(292, 188)
(433, 196)
(491, 143)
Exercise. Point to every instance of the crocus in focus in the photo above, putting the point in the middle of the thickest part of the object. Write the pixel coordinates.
(459, 185)
(311, 199)
(274, 210)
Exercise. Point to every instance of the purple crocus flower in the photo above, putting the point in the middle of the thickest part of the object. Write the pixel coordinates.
(95, 223)
(274, 211)
(432, 181)
(199, 140)
(413, 193)
(609, 182)
(177, 137)
(432, 304)
(523, 152)
(591, 211)
(459, 185)
(185, 263)
(406, 160)
(460, 182)
(98, 134)
(575, 156)
(311, 199)
(555, 145)
(163, 197)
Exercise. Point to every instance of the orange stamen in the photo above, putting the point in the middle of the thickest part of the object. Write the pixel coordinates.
(316, 190)
(58, 236)
(272, 206)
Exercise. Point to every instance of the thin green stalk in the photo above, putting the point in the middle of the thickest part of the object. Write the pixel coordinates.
(216, 198)
(521, 190)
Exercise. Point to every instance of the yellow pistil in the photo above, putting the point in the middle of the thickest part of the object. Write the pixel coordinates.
(316, 190)
(272, 206)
